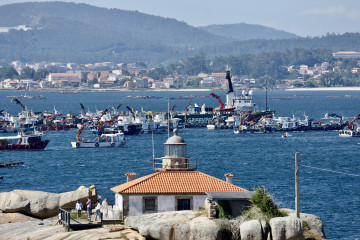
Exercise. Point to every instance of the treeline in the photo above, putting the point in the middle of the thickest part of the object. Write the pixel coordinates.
(270, 67)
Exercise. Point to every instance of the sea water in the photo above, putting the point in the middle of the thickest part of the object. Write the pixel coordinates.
(329, 167)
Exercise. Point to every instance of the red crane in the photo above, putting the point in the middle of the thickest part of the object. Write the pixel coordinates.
(352, 121)
(219, 99)
(187, 107)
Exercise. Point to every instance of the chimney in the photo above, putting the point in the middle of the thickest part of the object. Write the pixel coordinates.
(229, 177)
(130, 176)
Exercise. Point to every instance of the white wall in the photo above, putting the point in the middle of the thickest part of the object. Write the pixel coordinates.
(119, 202)
(135, 205)
(166, 203)
(199, 201)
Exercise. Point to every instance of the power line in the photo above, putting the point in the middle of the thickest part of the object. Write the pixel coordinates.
(327, 170)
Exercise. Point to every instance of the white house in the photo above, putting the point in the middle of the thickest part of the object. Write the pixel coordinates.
(174, 186)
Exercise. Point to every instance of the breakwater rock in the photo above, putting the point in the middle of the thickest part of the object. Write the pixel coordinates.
(40, 204)
(194, 225)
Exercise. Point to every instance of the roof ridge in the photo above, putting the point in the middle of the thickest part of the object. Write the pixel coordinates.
(218, 179)
(136, 181)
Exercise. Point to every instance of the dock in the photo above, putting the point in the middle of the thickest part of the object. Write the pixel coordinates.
(10, 164)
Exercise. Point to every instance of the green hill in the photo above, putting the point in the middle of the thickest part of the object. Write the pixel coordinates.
(243, 31)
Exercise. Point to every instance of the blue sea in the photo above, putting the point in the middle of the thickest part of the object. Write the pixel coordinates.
(329, 165)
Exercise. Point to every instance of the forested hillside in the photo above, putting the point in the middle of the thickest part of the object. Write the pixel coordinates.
(69, 32)
(243, 31)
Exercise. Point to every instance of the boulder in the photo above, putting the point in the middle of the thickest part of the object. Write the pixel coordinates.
(251, 230)
(16, 196)
(175, 225)
(14, 218)
(286, 228)
(314, 223)
(197, 228)
(44, 205)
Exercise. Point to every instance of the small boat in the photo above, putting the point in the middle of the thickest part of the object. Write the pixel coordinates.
(236, 131)
(349, 133)
(24, 141)
(286, 135)
(352, 130)
(211, 126)
(27, 97)
(103, 141)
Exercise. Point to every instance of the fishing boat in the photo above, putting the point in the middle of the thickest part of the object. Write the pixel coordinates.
(352, 131)
(27, 97)
(24, 141)
(105, 140)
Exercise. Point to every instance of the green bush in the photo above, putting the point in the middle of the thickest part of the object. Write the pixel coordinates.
(265, 203)
(224, 210)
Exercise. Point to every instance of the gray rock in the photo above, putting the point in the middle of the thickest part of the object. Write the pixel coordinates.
(14, 218)
(251, 230)
(197, 228)
(314, 222)
(42, 205)
(265, 230)
(16, 196)
(175, 225)
(286, 228)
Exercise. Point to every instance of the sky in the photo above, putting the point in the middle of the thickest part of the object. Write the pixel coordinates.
(304, 18)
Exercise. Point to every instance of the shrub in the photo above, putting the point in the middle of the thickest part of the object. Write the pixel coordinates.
(224, 210)
(265, 203)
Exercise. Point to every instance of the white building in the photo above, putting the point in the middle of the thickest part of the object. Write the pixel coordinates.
(174, 186)
(64, 76)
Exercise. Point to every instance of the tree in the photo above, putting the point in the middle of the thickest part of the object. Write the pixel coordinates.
(8, 72)
(41, 74)
(27, 73)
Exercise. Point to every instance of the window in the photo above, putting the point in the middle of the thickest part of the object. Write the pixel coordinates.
(149, 204)
(184, 203)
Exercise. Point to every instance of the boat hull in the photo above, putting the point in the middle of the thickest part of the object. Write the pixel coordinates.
(349, 133)
(31, 146)
(97, 144)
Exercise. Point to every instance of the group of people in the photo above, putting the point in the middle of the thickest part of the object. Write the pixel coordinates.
(98, 208)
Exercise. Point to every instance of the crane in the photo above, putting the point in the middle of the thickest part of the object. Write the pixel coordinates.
(187, 108)
(219, 99)
(352, 121)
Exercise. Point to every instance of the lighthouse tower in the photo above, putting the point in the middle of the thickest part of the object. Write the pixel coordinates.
(175, 158)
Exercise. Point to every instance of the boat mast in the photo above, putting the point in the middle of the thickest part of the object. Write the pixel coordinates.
(266, 107)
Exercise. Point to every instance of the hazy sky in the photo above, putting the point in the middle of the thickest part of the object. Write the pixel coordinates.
(304, 18)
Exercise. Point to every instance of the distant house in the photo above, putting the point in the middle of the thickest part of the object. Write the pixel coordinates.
(64, 76)
(346, 54)
(176, 186)
(129, 84)
(45, 84)
(160, 85)
(142, 82)
(219, 78)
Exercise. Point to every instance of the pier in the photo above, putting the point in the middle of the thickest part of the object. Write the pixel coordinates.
(10, 164)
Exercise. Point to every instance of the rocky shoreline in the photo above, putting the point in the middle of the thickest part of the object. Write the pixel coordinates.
(33, 215)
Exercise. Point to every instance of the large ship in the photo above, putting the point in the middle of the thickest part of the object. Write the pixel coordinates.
(24, 141)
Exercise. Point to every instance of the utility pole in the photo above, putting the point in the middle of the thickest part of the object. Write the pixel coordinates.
(297, 199)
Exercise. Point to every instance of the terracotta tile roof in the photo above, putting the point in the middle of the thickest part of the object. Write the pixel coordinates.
(64, 74)
(176, 182)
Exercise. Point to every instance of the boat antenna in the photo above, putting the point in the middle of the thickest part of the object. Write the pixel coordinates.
(153, 148)
(266, 88)
(168, 118)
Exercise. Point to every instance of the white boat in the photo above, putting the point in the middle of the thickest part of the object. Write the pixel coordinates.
(352, 130)
(211, 126)
(236, 131)
(104, 141)
(24, 141)
(349, 133)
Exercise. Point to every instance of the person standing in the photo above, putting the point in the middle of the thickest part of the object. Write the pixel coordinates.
(88, 206)
(105, 207)
(97, 209)
(78, 207)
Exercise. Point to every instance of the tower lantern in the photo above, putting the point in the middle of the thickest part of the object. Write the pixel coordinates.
(175, 154)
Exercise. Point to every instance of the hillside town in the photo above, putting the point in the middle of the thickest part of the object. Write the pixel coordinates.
(107, 75)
